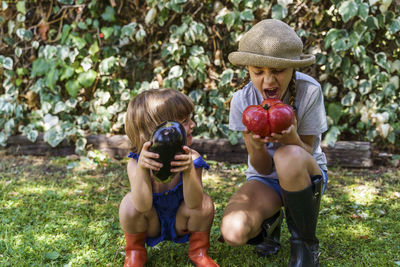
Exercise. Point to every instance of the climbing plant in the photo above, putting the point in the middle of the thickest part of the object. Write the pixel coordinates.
(68, 68)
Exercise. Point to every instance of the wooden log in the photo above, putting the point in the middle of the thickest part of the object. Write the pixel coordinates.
(344, 153)
(221, 150)
(349, 154)
(116, 146)
(21, 145)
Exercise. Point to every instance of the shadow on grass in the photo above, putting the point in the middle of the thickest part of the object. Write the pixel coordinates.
(54, 212)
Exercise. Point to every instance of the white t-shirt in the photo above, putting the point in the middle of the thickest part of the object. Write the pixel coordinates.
(311, 116)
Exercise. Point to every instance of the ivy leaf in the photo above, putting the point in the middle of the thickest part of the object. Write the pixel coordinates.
(363, 10)
(21, 7)
(32, 135)
(395, 66)
(72, 87)
(150, 16)
(348, 99)
(372, 23)
(18, 51)
(53, 137)
(3, 139)
(8, 63)
(86, 63)
(109, 14)
(279, 12)
(233, 139)
(49, 51)
(107, 64)
(50, 121)
(229, 20)
(350, 83)
(128, 30)
(67, 72)
(335, 61)
(226, 77)
(395, 26)
(63, 52)
(348, 9)
(107, 31)
(65, 33)
(66, 2)
(196, 50)
(193, 62)
(52, 78)
(196, 95)
(87, 78)
(359, 51)
(247, 15)
(175, 72)
(342, 44)
(140, 35)
(332, 136)
(60, 106)
(94, 48)
(335, 111)
(80, 145)
(330, 37)
(381, 60)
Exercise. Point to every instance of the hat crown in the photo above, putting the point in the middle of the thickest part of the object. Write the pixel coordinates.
(272, 38)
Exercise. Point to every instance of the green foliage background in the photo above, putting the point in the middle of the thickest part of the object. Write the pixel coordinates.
(69, 67)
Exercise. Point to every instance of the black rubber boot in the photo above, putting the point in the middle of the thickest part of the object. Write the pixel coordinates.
(267, 242)
(302, 208)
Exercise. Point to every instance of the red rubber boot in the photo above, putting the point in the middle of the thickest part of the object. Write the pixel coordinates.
(136, 254)
(199, 243)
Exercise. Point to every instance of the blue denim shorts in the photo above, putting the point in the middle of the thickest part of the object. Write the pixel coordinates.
(274, 183)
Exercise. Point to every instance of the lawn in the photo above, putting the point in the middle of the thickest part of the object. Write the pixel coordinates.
(63, 211)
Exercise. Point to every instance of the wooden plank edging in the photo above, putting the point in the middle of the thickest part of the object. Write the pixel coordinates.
(344, 153)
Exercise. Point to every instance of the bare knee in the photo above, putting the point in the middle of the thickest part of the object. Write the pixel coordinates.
(289, 155)
(195, 220)
(131, 220)
(234, 228)
(294, 166)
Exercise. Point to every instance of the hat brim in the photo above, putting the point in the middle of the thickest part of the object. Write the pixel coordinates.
(251, 59)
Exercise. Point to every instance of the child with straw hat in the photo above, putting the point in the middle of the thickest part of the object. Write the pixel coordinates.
(286, 169)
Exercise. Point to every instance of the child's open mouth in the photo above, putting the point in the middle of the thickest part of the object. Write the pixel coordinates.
(271, 93)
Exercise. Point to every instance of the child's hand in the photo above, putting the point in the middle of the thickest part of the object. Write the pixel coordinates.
(182, 162)
(146, 159)
(256, 140)
(286, 137)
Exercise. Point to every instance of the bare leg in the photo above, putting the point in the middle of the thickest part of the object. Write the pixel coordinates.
(195, 220)
(133, 221)
(247, 209)
(301, 200)
(198, 223)
(294, 166)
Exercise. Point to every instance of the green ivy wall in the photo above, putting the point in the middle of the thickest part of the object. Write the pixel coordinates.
(68, 68)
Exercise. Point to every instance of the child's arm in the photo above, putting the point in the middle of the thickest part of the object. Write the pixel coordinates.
(139, 178)
(260, 159)
(192, 185)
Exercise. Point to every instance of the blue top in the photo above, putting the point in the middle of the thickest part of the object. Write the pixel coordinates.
(198, 163)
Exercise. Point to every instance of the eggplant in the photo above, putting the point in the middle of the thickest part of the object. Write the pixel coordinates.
(167, 140)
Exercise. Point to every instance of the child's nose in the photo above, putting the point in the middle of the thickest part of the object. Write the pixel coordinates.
(268, 78)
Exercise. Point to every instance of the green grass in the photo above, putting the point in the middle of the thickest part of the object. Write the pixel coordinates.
(64, 212)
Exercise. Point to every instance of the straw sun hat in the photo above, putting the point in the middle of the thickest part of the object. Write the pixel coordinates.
(271, 43)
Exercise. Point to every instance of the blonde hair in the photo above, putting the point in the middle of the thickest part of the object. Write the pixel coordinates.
(152, 107)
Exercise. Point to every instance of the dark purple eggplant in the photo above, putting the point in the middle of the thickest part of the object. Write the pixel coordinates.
(167, 140)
